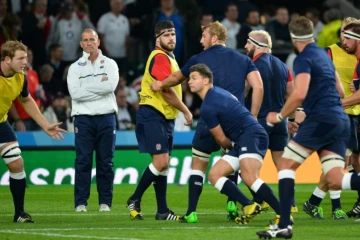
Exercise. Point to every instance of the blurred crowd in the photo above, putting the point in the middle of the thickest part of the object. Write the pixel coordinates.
(52, 31)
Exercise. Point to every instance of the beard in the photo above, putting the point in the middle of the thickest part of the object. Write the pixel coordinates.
(296, 51)
(167, 48)
(251, 52)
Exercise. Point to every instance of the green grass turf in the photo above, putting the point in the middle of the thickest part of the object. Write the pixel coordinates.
(52, 209)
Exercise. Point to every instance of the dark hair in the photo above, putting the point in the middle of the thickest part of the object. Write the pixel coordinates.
(206, 13)
(301, 26)
(354, 27)
(162, 25)
(203, 70)
(54, 47)
(230, 5)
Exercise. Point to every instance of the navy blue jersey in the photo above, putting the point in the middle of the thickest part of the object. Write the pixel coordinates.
(275, 76)
(229, 67)
(221, 107)
(322, 97)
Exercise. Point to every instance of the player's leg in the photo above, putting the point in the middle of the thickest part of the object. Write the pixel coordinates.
(312, 206)
(217, 176)
(85, 137)
(354, 167)
(294, 155)
(252, 148)
(10, 153)
(160, 183)
(105, 148)
(153, 139)
(203, 144)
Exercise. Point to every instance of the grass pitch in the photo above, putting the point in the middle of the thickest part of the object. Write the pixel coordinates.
(53, 211)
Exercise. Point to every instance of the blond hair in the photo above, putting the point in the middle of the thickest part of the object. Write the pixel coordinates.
(264, 37)
(346, 21)
(216, 29)
(9, 48)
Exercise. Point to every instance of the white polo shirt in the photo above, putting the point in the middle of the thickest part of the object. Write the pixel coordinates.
(92, 85)
(115, 30)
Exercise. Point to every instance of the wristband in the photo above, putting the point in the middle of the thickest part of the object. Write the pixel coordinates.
(279, 117)
(291, 119)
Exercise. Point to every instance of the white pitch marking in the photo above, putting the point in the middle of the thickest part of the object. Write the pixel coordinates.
(63, 235)
(120, 228)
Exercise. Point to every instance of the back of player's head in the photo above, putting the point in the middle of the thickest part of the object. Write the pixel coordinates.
(261, 38)
(217, 29)
(301, 29)
(203, 70)
(161, 26)
(9, 48)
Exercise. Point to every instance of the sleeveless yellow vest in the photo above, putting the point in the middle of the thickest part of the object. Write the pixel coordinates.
(10, 89)
(155, 99)
(345, 64)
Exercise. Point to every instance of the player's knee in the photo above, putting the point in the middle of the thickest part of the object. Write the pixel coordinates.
(295, 153)
(213, 176)
(248, 177)
(332, 166)
(11, 153)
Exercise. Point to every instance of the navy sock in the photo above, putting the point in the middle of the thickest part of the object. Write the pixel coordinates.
(234, 179)
(268, 195)
(286, 193)
(160, 186)
(146, 179)
(335, 199)
(231, 190)
(17, 188)
(314, 200)
(256, 197)
(195, 189)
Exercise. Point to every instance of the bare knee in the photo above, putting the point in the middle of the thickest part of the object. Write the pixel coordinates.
(161, 162)
(214, 176)
(16, 166)
(198, 164)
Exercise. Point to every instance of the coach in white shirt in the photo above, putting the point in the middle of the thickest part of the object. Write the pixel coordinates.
(92, 81)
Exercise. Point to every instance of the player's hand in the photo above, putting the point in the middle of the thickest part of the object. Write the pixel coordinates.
(188, 117)
(20, 126)
(293, 127)
(53, 130)
(156, 86)
(271, 118)
(300, 116)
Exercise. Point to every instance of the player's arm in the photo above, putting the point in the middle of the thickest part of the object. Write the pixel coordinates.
(160, 69)
(174, 78)
(220, 137)
(339, 86)
(255, 81)
(107, 83)
(171, 97)
(355, 98)
(302, 82)
(289, 90)
(32, 109)
(77, 92)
